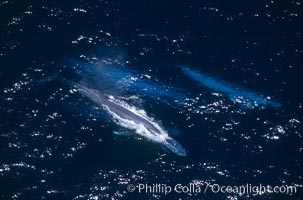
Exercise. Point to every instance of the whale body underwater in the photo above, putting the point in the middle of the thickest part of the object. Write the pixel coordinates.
(248, 99)
(120, 79)
(133, 119)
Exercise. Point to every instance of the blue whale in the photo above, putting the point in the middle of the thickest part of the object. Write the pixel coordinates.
(246, 98)
(131, 118)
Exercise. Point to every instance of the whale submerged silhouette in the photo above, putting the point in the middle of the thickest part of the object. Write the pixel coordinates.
(247, 98)
(132, 118)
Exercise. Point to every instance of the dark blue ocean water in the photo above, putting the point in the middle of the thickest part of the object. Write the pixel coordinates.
(58, 144)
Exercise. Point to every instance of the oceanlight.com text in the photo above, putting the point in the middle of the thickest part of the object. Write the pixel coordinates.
(246, 189)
